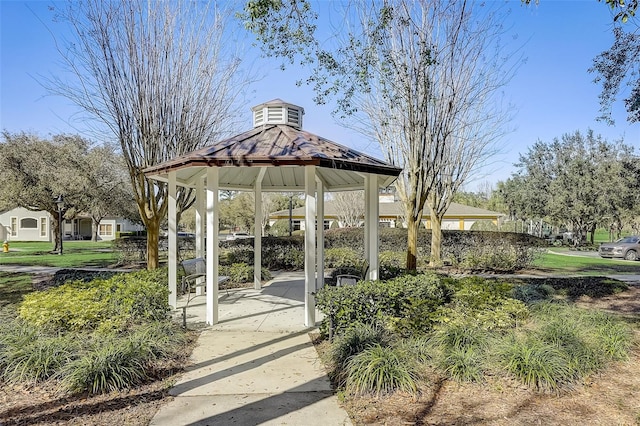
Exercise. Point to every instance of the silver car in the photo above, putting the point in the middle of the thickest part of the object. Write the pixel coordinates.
(626, 248)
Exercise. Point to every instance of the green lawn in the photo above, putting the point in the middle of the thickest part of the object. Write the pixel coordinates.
(76, 254)
(554, 263)
(13, 287)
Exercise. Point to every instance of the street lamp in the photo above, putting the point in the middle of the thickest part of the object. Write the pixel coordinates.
(60, 204)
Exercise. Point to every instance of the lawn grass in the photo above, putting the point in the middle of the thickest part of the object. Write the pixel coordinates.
(76, 254)
(557, 263)
(13, 287)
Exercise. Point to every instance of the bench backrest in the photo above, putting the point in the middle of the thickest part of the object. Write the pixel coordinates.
(364, 270)
(194, 266)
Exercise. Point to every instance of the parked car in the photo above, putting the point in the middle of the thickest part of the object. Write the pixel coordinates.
(626, 248)
(238, 235)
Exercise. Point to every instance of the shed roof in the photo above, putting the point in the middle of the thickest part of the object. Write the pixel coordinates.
(282, 149)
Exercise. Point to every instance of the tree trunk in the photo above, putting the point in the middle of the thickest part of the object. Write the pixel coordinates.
(412, 243)
(436, 240)
(153, 233)
(94, 230)
(56, 232)
(593, 232)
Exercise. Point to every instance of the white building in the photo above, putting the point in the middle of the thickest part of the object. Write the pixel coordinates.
(21, 224)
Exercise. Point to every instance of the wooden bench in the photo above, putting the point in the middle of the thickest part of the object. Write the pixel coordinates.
(195, 273)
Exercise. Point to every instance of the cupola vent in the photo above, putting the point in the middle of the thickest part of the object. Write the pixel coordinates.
(277, 111)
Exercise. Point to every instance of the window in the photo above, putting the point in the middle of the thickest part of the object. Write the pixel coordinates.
(43, 226)
(28, 223)
(105, 230)
(14, 226)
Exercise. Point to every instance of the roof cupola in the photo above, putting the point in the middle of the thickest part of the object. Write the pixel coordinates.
(277, 111)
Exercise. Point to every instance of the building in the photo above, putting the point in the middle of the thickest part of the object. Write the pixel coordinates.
(20, 224)
(457, 217)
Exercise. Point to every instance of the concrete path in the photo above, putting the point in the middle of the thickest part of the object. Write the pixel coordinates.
(256, 366)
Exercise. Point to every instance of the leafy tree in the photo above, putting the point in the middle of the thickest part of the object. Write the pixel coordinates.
(162, 80)
(421, 78)
(36, 171)
(578, 180)
(618, 67)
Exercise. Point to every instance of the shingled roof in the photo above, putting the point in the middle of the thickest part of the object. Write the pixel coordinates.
(282, 149)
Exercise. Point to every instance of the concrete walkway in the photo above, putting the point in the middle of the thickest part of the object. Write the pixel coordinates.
(256, 366)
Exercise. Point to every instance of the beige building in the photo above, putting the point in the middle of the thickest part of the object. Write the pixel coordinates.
(457, 217)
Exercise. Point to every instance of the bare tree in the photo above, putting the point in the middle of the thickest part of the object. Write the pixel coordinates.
(349, 207)
(432, 102)
(108, 191)
(421, 78)
(162, 79)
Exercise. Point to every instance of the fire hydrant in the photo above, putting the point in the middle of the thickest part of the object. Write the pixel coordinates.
(5, 247)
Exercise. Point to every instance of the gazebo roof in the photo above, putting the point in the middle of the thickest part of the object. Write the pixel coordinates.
(281, 149)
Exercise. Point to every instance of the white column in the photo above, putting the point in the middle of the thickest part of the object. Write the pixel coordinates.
(173, 241)
(257, 232)
(372, 218)
(367, 223)
(309, 245)
(320, 236)
(200, 221)
(212, 245)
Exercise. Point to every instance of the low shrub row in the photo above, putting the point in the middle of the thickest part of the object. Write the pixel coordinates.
(105, 303)
(88, 362)
(93, 336)
(389, 335)
(472, 250)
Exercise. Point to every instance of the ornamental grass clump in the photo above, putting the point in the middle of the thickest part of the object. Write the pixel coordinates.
(353, 341)
(381, 370)
(564, 344)
(112, 364)
(32, 357)
(536, 363)
(459, 350)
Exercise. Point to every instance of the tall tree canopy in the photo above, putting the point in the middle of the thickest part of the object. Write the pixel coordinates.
(36, 171)
(162, 79)
(421, 78)
(579, 181)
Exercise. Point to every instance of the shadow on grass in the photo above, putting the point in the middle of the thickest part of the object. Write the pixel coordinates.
(596, 269)
(575, 287)
(13, 287)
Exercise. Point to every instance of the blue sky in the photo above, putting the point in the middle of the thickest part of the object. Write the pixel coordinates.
(552, 90)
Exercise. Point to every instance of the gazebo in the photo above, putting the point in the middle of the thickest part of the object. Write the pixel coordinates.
(275, 155)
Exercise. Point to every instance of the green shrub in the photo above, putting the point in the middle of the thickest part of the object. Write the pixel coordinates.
(111, 303)
(341, 257)
(239, 273)
(484, 303)
(392, 264)
(381, 370)
(401, 303)
(280, 228)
